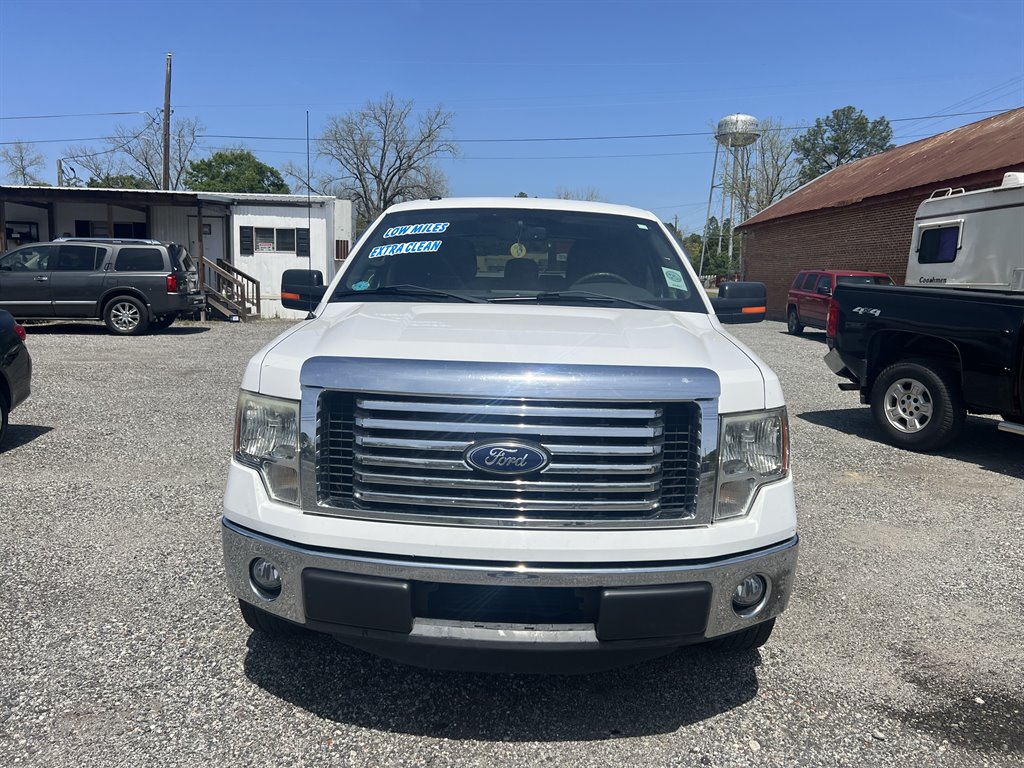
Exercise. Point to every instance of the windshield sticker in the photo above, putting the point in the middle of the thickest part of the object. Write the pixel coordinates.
(420, 246)
(518, 250)
(417, 229)
(362, 285)
(641, 226)
(674, 278)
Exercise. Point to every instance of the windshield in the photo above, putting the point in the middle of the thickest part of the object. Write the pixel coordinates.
(520, 255)
(865, 279)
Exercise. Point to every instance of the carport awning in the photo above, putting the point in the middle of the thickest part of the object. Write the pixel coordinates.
(135, 197)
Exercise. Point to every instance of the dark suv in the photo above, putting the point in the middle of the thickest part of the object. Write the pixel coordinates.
(131, 285)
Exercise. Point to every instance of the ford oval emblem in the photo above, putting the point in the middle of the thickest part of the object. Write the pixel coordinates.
(507, 457)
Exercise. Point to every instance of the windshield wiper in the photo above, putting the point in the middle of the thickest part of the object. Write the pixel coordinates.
(590, 296)
(405, 290)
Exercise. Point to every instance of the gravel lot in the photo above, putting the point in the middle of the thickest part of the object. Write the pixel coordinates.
(120, 646)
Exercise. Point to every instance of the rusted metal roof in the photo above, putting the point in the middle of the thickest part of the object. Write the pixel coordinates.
(993, 143)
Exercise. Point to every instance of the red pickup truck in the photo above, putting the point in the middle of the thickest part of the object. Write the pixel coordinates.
(810, 296)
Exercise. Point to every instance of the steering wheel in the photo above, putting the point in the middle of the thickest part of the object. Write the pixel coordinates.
(595, 277)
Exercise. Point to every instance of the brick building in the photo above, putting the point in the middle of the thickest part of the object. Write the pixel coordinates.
(860, 215)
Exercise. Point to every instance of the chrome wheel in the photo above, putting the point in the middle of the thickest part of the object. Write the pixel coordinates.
(125, 316)
(908, 405)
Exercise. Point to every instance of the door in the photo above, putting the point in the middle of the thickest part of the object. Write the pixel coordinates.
(807, 298)
(817, 302)
(214, 245)
(76, 280)
(25, 281)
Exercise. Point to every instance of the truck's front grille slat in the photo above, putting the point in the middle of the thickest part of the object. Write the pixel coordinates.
(401, 457)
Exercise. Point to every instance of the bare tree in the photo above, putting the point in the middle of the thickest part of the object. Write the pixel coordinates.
(22, 162)
(590, 194)
(773, 170)
(136, 152)
(384, 156)
(318, 183)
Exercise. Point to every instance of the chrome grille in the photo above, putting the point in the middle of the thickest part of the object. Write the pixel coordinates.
(609, 461)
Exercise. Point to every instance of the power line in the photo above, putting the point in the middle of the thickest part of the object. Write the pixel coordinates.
(602, 138)
(55, 141)
(121, 146)
(521, 140)
(76, 114)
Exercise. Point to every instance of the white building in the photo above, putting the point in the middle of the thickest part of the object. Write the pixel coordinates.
(247, 239)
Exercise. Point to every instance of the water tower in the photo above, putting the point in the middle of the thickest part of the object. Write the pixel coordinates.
(736, 133)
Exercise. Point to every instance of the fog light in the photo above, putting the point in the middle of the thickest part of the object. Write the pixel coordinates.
(749, 593)
(265, 577)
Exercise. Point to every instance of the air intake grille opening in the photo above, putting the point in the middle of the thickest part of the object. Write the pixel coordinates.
(609, 461)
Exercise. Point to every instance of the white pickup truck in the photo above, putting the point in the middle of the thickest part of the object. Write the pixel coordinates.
(512, 434)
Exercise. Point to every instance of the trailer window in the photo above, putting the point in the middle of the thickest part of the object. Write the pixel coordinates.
(938, 245)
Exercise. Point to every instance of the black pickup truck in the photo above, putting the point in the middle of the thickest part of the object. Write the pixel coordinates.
(925, 357)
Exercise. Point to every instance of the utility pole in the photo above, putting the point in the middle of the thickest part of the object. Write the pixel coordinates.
(167, 125)
(60, 172)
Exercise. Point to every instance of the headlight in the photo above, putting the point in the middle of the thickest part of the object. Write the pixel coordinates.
(753, 450)
(267, 438)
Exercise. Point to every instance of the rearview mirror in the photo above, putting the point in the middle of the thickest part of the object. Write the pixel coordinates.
(741, 302)
(302, 288)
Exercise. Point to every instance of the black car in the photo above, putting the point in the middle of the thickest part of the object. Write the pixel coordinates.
(132, 285)
(15, 368)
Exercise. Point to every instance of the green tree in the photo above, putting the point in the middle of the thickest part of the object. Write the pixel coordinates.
(236, 170)
(521, 194)
(119, 181)
(842, 137)
(716, 259)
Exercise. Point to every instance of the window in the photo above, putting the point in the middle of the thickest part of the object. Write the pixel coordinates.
(810, 280)
(533, 256)
(939, 245)
(21, 232)
(139, 260)
(86, 228)
(264, 239)
(798, 281)
(78, 258)
(32, 258)
(267, 240)
(864, 279)
(825, 284)
(286, 239)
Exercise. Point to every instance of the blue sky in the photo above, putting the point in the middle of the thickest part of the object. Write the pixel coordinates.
(512, 70)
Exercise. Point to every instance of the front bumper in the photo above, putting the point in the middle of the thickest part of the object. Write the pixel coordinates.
(372, 600)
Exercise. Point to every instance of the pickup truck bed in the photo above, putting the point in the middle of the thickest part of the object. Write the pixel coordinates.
(925, 357)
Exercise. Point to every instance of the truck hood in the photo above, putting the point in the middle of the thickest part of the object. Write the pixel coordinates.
(526, 334)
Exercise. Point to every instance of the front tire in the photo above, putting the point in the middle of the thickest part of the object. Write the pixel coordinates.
(793, 324)
(126, 316)
(266, 623)
(917, 404)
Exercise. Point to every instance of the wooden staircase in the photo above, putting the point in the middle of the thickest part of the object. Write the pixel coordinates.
(229, 291)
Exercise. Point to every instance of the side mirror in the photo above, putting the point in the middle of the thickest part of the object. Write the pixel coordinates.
(302, 288)
(741, 302)
(824, 290)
